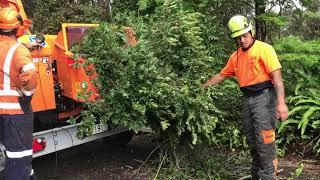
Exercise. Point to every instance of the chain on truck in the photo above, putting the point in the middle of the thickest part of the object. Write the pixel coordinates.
(56, 98)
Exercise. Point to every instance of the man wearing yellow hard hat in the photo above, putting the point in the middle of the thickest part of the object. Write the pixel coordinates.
(258, 71)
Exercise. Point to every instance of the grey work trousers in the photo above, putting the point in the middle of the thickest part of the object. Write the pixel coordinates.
(259, 124)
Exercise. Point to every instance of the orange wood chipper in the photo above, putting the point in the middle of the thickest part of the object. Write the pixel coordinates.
(56, 98)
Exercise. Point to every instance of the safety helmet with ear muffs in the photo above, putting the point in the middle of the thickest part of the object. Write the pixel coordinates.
(239, 25)
(10, 19)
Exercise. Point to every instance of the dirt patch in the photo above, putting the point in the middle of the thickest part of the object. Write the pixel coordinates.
(101, 161)
(96, 160)
(311, 169)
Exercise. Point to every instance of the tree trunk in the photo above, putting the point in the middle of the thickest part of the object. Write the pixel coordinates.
(109, 10)
(261, 32)
(28, 6)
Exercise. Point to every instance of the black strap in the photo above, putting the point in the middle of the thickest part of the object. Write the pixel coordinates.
(256, 88)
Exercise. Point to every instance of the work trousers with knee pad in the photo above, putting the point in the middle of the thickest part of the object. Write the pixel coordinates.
(259, 124)
(16, 136)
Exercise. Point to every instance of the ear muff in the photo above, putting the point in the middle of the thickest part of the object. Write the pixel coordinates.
(20, 19)
(21, 28)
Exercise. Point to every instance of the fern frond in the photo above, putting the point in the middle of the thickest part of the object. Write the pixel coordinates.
(295, 98)
(317, 102)
(285, 123)
(316, 124)
(298, 108)
(297, 89)
(315, 93)
(305, 119)
(317, 146)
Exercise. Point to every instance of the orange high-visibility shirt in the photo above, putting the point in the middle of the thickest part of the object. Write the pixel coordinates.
(252, 66)
(11, 67)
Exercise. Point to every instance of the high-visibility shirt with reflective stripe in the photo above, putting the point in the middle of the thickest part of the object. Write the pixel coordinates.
(252, 66)
(10, 69)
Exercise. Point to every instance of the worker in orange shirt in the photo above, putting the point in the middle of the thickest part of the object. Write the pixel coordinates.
(17, 84)
(258, 71)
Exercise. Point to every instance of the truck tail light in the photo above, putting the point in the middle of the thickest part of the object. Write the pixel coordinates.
(39, 144)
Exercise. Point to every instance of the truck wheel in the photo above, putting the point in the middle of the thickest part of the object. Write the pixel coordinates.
(2, 161)
(120, 139)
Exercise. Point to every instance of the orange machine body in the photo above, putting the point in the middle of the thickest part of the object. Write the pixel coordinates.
(71, 72)
(63, 81)
(72, 78)
(44, 97)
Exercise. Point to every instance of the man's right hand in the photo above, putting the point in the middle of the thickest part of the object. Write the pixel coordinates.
(205, 85)
(216, 79)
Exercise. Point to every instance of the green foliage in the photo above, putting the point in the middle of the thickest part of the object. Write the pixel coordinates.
(300, 60)
(308, 103)
(305, 24)
(120, 6)
(156, 83)
(301, 74)
(173, 51)
(48, 15)
(205, 163)
(294, 44)
(273, 19)
(312, 24)
(299, 170)
(274, 23)
(228, 131)
(311, 5)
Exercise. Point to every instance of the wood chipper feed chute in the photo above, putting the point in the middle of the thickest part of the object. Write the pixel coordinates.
(73, 78)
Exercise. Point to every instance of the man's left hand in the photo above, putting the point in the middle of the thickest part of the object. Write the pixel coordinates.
(31, 46)
(282, 111)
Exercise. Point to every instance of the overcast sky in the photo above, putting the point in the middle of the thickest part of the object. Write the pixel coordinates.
(276, 9)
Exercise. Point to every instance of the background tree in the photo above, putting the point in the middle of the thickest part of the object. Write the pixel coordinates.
(261, 31)
(306, 23)
(28, 7)
(48, 15)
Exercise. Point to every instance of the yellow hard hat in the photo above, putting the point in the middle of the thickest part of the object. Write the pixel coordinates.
(9, 19)
(239, 25)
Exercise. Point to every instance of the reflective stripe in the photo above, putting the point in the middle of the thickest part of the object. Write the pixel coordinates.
(6, 71)
(20, 154)
(28, 67)
(32, 172)
(27, 93)
(10, 106)
(9, 93)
